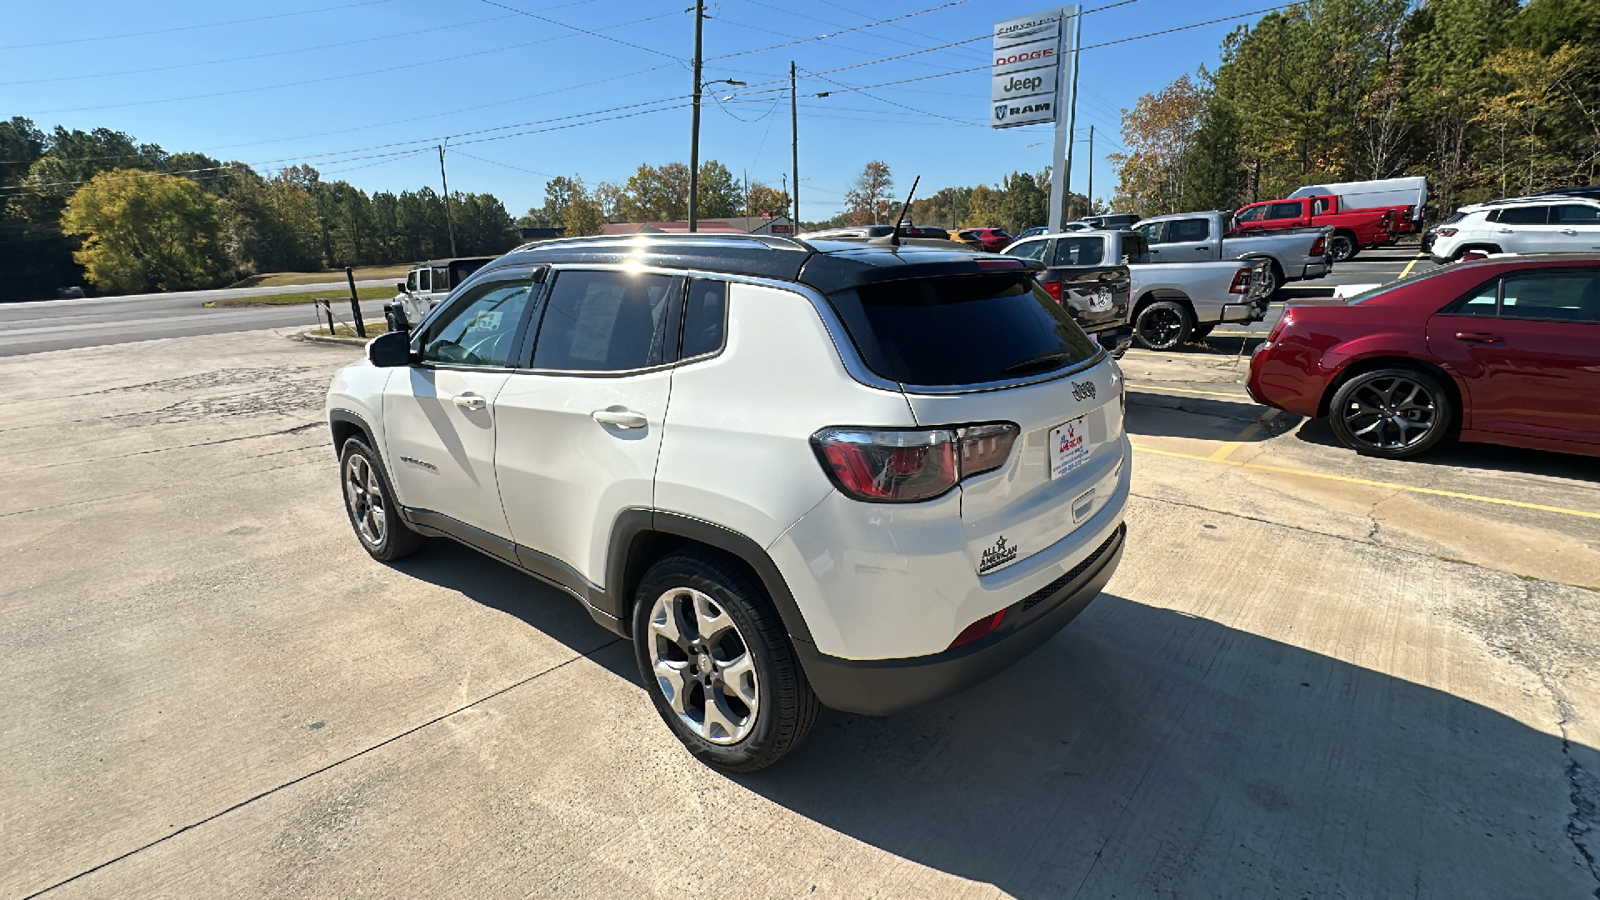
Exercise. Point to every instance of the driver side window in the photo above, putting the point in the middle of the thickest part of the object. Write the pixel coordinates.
(480, 329)
(1151, 232)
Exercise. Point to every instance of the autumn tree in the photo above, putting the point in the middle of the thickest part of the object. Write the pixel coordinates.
(1159, 133)
(765, 199)
(869, 196)
(142, 231)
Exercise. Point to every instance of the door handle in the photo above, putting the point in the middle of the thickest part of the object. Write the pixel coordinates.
(1569, 231)
(1503, 230)
(1203, 248)
(620, 417)
(1479, 337)
(469, 400)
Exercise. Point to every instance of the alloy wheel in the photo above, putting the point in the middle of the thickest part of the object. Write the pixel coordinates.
(703, 666)
(1341, 249)
(1392, 413)
(1160, 327)
(363, 494)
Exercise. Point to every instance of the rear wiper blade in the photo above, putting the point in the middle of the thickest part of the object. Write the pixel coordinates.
(1041, 362)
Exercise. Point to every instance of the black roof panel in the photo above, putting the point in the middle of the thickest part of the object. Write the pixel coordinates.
(825, 265)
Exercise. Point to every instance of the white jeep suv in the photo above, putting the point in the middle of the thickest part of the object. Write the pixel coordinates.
(793, 473)
(1545, 224)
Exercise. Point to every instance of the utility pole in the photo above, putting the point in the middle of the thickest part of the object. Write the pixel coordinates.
(1091, 168)
(694, 136)
(794, 133)
(448, 224)
(1072, 107)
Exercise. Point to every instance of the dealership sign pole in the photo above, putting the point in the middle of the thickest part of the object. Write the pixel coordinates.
(1029, 86)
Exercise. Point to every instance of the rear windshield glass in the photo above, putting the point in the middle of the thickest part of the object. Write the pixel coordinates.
(961, 329)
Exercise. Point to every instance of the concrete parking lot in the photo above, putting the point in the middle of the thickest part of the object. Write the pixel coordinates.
(1314, 675)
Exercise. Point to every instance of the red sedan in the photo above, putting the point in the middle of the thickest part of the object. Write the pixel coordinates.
(1501, 351)
(993, 239)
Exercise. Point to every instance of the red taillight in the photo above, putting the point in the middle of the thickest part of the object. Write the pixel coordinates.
(1053, 288)
(904, 466)
(1004, 262)
(1241, 282)
(1318, 247)
(1446, 232)
(978, 630)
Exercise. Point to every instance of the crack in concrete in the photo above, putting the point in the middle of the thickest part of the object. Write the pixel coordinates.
(296, 429)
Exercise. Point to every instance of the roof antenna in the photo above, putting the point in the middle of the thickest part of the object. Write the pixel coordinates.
(893, 238)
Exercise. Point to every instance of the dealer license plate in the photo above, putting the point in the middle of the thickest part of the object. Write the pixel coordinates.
(1069, 446)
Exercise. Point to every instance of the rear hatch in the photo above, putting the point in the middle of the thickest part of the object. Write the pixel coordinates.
(996, 348)
(1096, 296)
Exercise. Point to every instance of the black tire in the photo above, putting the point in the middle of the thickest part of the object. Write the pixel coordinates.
(1394, 413)
(1199, 332)
(379, 528)
(1342, 247)
(1162, 325)
(785, 708)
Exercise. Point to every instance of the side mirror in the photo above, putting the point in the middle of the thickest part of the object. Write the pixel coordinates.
(390, 349)
(400, 286)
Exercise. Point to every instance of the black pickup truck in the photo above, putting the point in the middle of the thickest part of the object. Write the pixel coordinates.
(1094, 289)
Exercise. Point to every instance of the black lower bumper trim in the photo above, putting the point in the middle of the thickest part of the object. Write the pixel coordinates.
(880, 687)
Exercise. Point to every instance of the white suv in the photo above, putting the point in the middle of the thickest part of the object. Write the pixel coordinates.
(793, 473)
(1548, 224)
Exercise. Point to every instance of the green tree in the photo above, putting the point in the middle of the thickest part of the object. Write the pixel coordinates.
(720, 195)
(869, 196)
(765, 198)
(1215, 175)
(657, 194)
(143, 231)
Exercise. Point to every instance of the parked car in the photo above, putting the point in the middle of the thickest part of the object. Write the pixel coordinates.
(1552, 224)
(1352, 230)
(429, 282)
(1171, 302)
(1503, 351)
(966, 238)
(1296, 253)
(994, 239)
(1408, 197)
(886, 472)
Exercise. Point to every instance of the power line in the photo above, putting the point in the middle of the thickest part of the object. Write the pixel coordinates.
(233, 59)
(114, 37)
(503, 165)
(604, 37)
(863, 15)
(823, 37)
(328, 78)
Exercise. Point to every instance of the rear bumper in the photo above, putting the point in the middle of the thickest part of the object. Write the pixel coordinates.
(1116, 340)
(1314, 270)
(884, 686)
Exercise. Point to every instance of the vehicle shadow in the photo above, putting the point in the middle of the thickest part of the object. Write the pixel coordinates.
(1487, 457)
(1154, 414)
(498, 586)
(1145, 752)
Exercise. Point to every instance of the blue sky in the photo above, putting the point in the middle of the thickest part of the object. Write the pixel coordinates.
(364, 89)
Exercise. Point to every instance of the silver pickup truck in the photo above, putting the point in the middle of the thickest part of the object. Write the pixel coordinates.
(1296, 253)
(1170, 302)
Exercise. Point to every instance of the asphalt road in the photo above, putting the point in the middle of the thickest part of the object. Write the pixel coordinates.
(1313, 675)
(96, 321)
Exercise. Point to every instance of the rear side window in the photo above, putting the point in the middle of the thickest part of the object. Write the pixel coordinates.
(1576, 213)
(1083, 251)
(703, 315)
(1182, 231)
(961, 329)
(1521, 215)
(1284, 210)
(604, 322)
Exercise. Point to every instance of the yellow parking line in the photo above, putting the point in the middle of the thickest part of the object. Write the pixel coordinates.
(1409, 266)
(1158, 387)
(1369, 483)
(1242, 437)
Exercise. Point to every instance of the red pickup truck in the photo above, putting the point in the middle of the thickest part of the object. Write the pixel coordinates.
(1352, 229)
